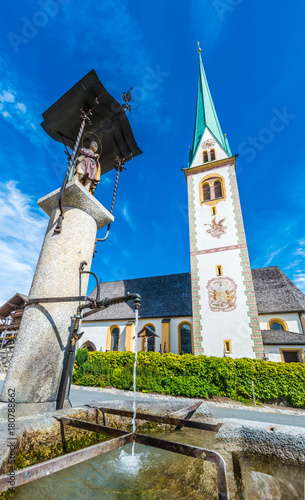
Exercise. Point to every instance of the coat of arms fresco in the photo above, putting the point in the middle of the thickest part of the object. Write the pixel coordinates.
(216, 229)
(222, 294)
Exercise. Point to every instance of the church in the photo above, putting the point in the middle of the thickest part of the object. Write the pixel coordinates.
(220, 308)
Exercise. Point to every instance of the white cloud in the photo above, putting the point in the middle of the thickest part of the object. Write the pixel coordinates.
(7, 96)
(272, 254)
(126, 215)
(19, 105)
(22, 232)
(299, 280)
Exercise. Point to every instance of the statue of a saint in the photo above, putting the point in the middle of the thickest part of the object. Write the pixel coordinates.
(87, 167)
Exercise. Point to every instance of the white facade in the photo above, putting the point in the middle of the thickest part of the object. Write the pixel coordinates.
(291, 319)
(95, 332)
(219, 262)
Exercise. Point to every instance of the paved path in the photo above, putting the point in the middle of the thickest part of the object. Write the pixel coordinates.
(220, 411)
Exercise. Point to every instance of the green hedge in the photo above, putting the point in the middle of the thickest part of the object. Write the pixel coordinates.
(194, 376)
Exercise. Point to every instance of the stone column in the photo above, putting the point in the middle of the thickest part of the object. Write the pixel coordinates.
(36, 368)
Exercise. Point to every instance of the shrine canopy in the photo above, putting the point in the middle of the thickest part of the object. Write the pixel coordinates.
(109, 121)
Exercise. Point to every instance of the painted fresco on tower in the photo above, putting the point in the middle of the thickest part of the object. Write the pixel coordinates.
(222, 294)
(216, 229)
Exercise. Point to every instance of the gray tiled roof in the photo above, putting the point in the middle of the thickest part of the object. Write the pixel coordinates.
(171, 295)
(275, 292)
(162, 297)
(281, 337)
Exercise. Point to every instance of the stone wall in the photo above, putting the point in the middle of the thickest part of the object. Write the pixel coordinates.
(5, 357)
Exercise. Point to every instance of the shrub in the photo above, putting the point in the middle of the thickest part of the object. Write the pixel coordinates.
(194, 376)
(81, 356)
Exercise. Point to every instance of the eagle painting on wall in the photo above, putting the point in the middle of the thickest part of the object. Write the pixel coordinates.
(217, 229)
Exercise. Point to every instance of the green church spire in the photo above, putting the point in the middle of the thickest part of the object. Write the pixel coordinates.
(206, 116)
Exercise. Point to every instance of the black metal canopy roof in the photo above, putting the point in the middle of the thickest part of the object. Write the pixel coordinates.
(109, 121)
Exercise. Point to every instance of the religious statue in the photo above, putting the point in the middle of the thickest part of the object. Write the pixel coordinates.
(87, 167)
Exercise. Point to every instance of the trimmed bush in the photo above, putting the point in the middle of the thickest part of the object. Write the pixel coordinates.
(194, 376)
(81, 356)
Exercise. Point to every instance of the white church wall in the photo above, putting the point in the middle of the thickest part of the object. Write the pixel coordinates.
(292, 320)
(219, 325)
(96, 332)
(274, 353)
(229, 251)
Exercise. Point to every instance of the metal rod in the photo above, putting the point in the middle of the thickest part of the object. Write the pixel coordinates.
(45, 300)
(252, 383)
(28, 474)
(191, 451)
(193, 424)
(90, 426)
(67, 369)
(85, 117)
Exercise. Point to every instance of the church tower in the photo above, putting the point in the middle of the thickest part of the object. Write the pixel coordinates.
(225, 319)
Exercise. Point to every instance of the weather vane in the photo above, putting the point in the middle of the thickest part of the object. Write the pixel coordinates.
(199, 49)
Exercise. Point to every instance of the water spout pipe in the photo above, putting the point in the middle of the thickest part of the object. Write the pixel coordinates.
(99, 305)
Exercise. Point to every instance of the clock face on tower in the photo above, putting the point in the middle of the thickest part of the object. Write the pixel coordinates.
(208, 144)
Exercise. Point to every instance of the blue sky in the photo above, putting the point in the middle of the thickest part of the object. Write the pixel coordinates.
(252, 55)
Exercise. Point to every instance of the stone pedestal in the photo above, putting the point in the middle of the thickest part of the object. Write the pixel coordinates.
(36, 368)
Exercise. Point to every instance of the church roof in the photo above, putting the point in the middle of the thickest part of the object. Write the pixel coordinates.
(171, 295)
(206, 116)
(274, 337)
(162, 297)
(275, 293)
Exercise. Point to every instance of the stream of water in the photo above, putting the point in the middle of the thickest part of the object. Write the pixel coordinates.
(135, 375)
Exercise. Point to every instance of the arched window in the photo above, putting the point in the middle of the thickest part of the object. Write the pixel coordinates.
(90, 346)
(115, 335)
(185, 337)
(217, 189)
(277, 324)
(206, 192)
(209, 155)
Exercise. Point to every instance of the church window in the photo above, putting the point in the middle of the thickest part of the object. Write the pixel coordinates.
(218, 270)
(227, 346)
(217, 189)
(209, 155)
(292, 355)
(115, 336)
(185, 338)
(212, 190)
(206, 192)
(213, 210)
(277, 324)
